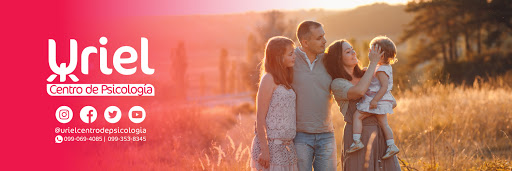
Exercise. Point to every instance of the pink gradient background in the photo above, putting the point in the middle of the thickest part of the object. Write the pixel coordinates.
(28, 121)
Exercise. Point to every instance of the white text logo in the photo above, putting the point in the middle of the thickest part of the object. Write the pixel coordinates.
(64, 71)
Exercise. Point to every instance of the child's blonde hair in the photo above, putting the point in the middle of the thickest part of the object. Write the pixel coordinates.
(387, 46)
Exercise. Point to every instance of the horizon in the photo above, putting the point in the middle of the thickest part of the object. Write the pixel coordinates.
(204, 7)
(328, 5)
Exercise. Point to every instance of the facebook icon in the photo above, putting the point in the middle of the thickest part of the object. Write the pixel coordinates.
(88, 114)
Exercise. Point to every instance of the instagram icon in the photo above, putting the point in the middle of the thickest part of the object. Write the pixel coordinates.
(64, 114)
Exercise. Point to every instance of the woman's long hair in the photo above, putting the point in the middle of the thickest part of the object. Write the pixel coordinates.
(273, 62)
(334, 62)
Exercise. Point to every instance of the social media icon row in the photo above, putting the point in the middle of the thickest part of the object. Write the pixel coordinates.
(112, 114)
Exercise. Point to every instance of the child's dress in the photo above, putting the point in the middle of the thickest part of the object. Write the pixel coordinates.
(385, 104)
(281, 130)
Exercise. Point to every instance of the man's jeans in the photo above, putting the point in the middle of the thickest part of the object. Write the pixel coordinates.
(317, 150)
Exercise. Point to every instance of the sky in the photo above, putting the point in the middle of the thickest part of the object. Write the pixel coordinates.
(207, 7)
(240, 6)
(264, 5)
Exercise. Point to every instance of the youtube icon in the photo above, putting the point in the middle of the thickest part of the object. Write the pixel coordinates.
(137, 114)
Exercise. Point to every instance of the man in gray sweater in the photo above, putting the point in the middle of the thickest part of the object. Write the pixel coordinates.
(312, 84)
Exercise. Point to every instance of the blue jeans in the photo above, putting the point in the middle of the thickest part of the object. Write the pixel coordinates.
(317, 150)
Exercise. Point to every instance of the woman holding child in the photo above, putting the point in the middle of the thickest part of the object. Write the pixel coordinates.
(349, 86)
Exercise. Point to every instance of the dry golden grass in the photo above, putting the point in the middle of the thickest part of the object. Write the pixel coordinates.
(449, 128)
(436, 126)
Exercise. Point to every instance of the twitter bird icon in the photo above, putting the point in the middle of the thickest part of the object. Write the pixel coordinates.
(112, 114)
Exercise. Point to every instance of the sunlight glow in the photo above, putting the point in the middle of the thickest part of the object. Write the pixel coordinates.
(264, 5)
(192, 7)
(347, 4)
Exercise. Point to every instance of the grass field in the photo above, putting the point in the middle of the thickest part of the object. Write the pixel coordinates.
(436, 126)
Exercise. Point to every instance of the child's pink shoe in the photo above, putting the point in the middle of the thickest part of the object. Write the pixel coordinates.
(391, 151)
(356, 146)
